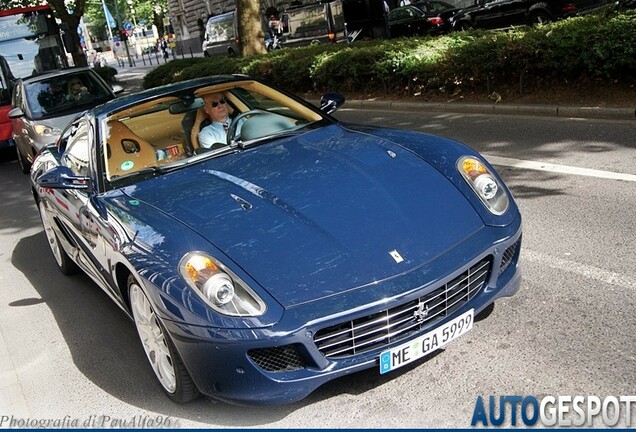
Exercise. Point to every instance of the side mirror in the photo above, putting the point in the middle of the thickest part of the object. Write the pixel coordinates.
(330, 102)
(117, 88)
(61, 177)
(15, 113)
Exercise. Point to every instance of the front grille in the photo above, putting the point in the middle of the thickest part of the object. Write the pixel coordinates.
(391, 325)
(507, 257)
(278, 359)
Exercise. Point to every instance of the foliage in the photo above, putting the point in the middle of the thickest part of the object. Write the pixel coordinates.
(145, 10)
(597, 46)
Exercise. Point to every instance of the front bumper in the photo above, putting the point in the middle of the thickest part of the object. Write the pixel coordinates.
(227, 363)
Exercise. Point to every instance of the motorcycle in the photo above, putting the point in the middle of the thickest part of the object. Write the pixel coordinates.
(273, 42)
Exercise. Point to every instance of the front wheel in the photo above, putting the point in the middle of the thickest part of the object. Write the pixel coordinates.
(63, 261)
(539, 18)
(162, 355)
(25, 166)
(464, 26)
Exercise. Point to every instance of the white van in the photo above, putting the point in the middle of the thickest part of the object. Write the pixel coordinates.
(221, 35)
(312, 24)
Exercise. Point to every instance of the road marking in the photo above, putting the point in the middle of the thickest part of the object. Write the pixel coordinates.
(563, 169)
(585, 270)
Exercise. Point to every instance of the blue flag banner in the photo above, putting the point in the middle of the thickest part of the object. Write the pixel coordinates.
(110, 21)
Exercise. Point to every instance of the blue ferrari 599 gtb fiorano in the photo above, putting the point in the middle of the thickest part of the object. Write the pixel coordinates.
(295, 251)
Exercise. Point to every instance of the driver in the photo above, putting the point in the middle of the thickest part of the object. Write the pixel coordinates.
(217, 110)
(76, 90)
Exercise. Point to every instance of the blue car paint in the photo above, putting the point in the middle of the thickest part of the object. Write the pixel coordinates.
(306, 185)
(443, 154)
(204, 339)
(241, 381)
(320, 201)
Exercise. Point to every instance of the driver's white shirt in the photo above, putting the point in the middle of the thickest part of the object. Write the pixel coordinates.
(215, 132)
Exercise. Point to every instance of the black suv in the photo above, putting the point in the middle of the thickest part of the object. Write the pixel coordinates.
(505, 13)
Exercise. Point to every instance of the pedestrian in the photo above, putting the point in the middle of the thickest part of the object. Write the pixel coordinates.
(274, 26)
(164, 47)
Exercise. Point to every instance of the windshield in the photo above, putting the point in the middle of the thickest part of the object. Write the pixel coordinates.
(64, 94)
(176, 130)
(30, 43)
(220, 28)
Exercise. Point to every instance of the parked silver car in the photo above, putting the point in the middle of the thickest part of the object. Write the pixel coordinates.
(43, 105)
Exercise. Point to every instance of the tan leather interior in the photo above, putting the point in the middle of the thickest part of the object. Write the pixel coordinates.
(127, 151)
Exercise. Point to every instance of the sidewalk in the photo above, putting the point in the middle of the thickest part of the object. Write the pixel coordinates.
(132, 81)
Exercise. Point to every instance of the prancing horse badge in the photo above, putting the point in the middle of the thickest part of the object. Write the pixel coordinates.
(396, 256)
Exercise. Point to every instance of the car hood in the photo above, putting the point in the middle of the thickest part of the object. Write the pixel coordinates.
(318, 214)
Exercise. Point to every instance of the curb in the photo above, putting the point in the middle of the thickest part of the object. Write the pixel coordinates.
(481, 108)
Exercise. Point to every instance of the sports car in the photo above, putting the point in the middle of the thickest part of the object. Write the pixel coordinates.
(297, 250)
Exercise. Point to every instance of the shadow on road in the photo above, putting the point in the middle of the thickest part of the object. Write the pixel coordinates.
(17, 212)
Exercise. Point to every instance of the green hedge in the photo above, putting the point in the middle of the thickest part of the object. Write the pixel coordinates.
(600, 46)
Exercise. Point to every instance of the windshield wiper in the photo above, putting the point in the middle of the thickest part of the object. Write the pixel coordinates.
(260, 140)
(143, 171)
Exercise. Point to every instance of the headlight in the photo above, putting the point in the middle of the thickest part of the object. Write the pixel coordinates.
(219, 287)
(484, 183)
(46, 131)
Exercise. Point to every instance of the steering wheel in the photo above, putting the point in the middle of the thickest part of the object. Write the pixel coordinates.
(240, 119)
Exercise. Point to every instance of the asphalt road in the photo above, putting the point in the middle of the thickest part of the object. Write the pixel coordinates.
(67, 353)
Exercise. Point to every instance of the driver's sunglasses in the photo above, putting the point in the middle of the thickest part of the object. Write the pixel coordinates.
(215, 104)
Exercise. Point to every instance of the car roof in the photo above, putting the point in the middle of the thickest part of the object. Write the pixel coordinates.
(135, 98)
(54, 73)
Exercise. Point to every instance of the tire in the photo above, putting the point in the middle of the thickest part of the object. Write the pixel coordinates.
(164, 359)
(66, 265)
(539, 17)
(464, 26)
(25, 166)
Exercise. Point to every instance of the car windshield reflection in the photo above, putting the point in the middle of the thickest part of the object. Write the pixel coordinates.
(64, 95)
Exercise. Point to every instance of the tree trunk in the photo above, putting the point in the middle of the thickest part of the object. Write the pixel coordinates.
(79, 58)
(72, 21)
(250, 29)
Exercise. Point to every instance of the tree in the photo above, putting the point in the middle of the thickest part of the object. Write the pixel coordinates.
(68, 12)
(250, 29)
(148, 11)
(72, 20)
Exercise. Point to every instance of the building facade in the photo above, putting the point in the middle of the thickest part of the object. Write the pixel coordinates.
(188, 18)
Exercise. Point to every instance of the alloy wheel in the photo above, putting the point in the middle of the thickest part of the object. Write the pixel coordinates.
(25, 166)
(153, 338)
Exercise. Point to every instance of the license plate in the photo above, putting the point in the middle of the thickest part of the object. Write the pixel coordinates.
(426, 344)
